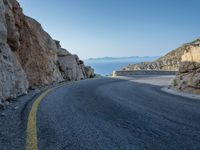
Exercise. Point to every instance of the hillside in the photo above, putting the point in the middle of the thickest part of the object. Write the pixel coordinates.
(188, 77)
(29, 57)
(185, 60)
(169, 62)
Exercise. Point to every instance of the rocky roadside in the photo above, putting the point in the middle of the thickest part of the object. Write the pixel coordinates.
(13, 119)
(30, 57)
(185, 60)
(188, 77)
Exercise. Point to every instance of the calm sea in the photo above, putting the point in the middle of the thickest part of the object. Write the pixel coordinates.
(106, 68)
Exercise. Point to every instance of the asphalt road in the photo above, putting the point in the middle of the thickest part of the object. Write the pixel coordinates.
(117, 114)
(104, 114)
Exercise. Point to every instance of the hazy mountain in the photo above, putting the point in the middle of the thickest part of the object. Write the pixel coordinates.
(106, 65)
(123, 59)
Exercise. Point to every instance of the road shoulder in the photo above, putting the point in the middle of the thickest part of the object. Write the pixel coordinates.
(182, 94)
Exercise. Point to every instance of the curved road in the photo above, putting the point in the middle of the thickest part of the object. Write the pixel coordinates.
(117, 114)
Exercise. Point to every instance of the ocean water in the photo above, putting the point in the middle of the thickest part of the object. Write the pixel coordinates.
(107, 67)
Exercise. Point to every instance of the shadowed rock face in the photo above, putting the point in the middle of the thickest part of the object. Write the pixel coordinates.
(13, 80)
(69, 65)
(89, 72)
(29, 57)
(36, 50)
(188, 78)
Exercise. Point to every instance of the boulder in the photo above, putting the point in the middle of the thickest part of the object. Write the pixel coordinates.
(188, 78)
(89, 72)
(69, 64)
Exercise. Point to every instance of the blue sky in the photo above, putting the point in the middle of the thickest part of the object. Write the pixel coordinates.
(98, 28)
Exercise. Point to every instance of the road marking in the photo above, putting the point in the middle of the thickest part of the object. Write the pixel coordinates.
(31, 131)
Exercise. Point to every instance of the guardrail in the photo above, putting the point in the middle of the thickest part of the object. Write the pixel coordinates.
(142, 72)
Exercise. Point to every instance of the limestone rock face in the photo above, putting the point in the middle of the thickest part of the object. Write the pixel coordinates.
(36, 50)
(13, 81)
(89, 71)
(185, 60)
(69, 65)
(169, 62)
(29, 57)
(188, 78)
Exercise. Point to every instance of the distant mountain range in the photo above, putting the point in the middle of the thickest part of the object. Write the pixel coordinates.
(124, 59)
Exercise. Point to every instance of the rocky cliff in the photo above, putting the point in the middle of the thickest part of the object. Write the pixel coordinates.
(70, 66)
(29, 57)
(185, 60)
(13, 80)
(169, 62)
(188, 78)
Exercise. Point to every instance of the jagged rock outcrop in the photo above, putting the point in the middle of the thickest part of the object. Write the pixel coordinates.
(188, 78)
(169, 62)
(36, 50)
(69, 65)
(89, 71)
(13, 81)
(29, 57)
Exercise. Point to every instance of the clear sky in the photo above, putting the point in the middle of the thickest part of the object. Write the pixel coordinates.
(98, 28)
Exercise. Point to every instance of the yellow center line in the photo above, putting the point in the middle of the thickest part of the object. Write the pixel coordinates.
(31, 131)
